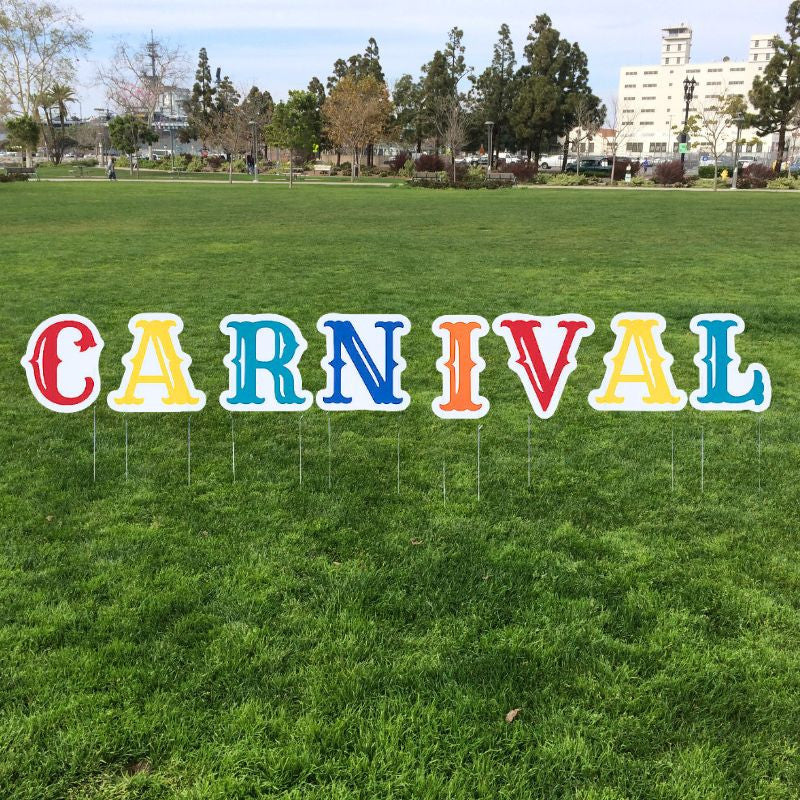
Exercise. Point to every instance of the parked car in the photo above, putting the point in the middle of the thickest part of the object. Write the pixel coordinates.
(592, 166)
(551, 162)
(794, 168)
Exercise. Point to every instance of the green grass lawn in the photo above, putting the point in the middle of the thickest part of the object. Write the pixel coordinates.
(263, 639)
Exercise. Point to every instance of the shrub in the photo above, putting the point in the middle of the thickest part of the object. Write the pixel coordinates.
(214, 162)
(756, 176)
(407, 169)
(707, 171)
(429, 163)
(669, 173)
(345, 168)
(396, 163)
(784, 183)
(570, 179)
(524, 172)
(194, 165)
(87, 162)
(122, 161)
(13, 178)
(239, 165)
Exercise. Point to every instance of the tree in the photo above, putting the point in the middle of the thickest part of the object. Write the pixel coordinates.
(453, 130)
(621, 122)
(200, 104)
(358, 65)
(710, 125)
(356, 113)
(137, 76)
(56, 99)
(127, 132)
(230, 131)
(579, 107)
(258, 107)
(439, 84)
(24, 131)
(588, 114)
(537, 111)
(295, 125)
(408, 124)
(492, 94)
(39, 46)
(776, 93)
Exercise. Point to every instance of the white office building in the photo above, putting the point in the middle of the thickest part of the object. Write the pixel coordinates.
(651, 98)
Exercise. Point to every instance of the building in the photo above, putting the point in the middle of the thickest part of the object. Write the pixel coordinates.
(650, 100)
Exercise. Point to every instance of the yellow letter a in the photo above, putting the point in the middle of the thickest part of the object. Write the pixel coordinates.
(651, 388)
(167, 386)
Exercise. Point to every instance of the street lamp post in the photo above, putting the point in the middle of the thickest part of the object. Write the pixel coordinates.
(172, 145)
(489, 129)
(739, 120)
(254, 123)
(688, 94)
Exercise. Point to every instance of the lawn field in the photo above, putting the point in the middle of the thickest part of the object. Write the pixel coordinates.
(267, 639)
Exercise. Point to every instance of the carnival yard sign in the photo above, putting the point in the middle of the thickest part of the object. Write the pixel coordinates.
(363, 364)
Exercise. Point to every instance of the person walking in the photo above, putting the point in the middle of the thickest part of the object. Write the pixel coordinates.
(111, 172)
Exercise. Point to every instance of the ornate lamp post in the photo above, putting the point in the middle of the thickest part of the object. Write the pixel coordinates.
(254, 123)
(688, 94)
(489, 127)
(738, 120)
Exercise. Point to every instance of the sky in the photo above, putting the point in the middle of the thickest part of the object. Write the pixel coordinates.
(280, 44)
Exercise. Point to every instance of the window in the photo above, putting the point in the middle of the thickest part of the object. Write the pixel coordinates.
(759, 147)
(648, 111)
(630, 85)
(729, 147)
(755, 56)
(631, 73)
(715, 69)
(749, 148)
(688, 71)
(668, 48)
(649, 98)
(737, 69)
(629, 98)
(737, 83)
(680, 47)
(635, 147)
(649, 85)
(755, 43)
(658, 147)
(651, 72)
(666, 61)
(714, 83)
(646, 123)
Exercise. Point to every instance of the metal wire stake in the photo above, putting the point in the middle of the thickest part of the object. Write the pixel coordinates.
(300, 446)
(702, 460)
(529, 451)
(444, 484)
(480, 428)
(126, 446)
(329, 449)
(398, 459)
(673, 458)
(94, 444)
(233, 451)
(759, 453)
(189, 451)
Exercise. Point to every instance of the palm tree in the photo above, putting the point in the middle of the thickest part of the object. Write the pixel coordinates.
(56, 97)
